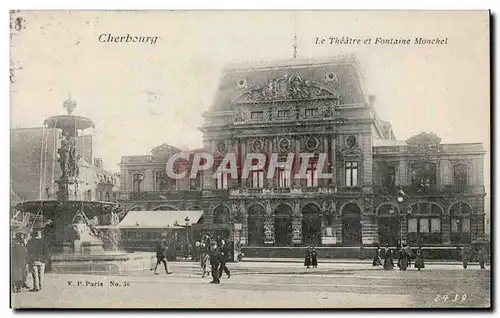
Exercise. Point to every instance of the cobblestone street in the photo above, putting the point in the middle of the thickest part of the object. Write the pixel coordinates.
(264, 285)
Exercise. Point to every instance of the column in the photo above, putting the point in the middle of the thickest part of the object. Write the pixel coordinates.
(243, 159)
(207, 174)
(327, 231)
(445, 229)
(269, 230)
(297, 229)
(333, 161)
(148, 182)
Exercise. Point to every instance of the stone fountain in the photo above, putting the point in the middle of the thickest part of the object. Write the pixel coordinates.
(73, 233)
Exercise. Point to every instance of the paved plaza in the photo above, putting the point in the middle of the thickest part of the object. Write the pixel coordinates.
(268, 285)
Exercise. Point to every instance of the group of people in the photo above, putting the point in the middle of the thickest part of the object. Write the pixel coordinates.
(311, 258)
(405, 255)
(216, 252)
(28, 255)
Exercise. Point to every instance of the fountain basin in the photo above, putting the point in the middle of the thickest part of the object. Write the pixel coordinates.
(115, 262)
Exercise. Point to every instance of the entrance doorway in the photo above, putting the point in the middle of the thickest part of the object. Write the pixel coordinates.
(388, 224)
(283, 230)
(351, 225)
(256, 233)
(311, 225)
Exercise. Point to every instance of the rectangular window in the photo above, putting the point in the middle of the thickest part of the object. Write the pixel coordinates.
(435, 225)
(258, 179)
(351, 173)
(465, 225)
(391, 176)
(257, 115)
(283, 178)
(424, 225)
(311, 112)
(284, 113)
(312, 178)
(221, 181)
(460, 175)
(412, 226)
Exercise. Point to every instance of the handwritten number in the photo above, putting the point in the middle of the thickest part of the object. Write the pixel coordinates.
(464, 297)
(445, 298)
(436, 299)
(455, 299)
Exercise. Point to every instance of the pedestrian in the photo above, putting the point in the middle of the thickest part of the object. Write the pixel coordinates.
(403, 258)
(38, 254)
(409, 254)
(419, 261)
(215, 260)
(224, 248)
(388, 264)
(314, 258)
(307, 260)
(465, 256)
(377, 260)
(18, 263)
(161, 255)
(482, 257)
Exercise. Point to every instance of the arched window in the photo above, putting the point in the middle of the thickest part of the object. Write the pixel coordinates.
(161, 180)
(221, 215)
(460, 223)
(460, 175)
(424, 223)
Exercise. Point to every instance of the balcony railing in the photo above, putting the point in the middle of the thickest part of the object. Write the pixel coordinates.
(164, 195)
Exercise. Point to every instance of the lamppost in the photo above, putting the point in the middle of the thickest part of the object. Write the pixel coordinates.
(400, 200)
(187, 235)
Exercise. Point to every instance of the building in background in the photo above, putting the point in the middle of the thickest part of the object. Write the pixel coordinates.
(383, 191)
(34, 167)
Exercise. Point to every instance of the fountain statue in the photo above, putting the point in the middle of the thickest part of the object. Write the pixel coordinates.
(73, 232)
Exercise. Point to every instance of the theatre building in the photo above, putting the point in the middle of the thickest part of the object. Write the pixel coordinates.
(382, 190)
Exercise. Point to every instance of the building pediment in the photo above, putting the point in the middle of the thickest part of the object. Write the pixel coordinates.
(164, 150)
(286, 87)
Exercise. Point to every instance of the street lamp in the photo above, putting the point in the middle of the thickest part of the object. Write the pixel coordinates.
(400, 200)
(187, 236)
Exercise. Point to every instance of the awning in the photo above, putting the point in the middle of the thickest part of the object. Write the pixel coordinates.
(159, 219)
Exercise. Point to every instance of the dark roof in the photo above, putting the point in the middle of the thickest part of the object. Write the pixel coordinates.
(348, 84)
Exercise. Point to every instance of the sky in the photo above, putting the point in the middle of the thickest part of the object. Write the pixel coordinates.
(142, 95)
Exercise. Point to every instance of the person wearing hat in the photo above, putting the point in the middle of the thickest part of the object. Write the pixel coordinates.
(18, 263)
(224, 248)
(314, 258)
(215, 261)
(38, 255)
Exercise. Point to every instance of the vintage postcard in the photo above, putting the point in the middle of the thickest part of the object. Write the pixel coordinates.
(250, 159)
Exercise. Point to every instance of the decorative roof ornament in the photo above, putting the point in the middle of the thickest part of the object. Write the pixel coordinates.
(425, 143)
(70, 105)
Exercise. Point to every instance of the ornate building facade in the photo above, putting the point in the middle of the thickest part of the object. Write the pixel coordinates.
(382, 191)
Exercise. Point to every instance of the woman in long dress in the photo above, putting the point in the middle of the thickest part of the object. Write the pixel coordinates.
(388, 264)
(403, 258)
(377, 260)
(419, 260)
(307, 260)
(18, 264)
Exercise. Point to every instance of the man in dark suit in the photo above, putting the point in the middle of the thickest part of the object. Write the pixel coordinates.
(224, 248)
(215, 260)
(161, 255)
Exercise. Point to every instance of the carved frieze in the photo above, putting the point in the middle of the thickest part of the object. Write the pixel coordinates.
(286, 87)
